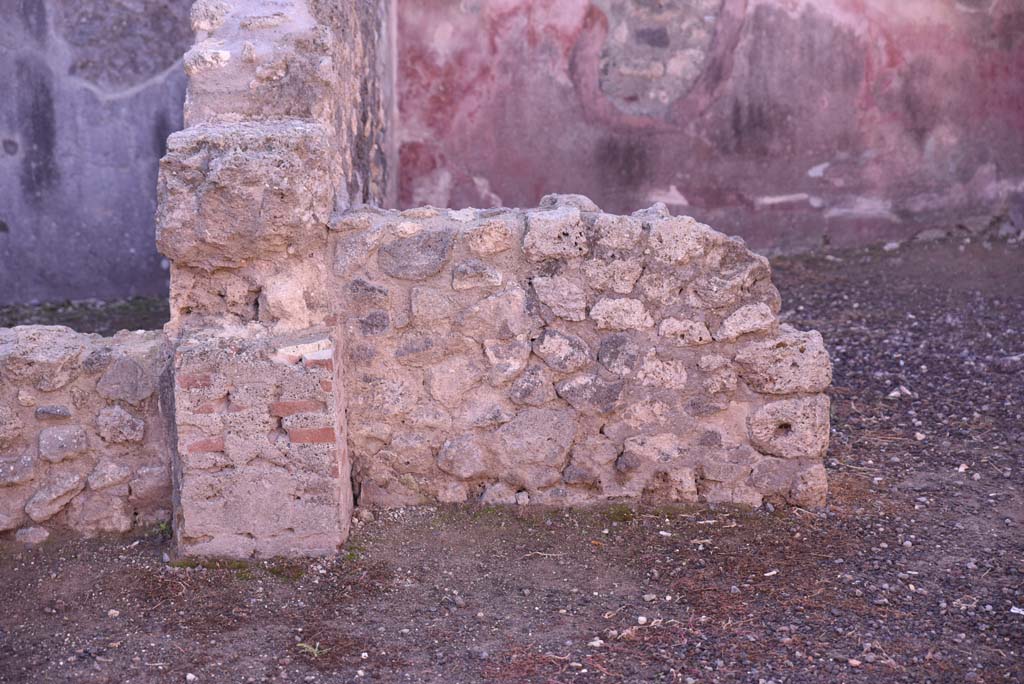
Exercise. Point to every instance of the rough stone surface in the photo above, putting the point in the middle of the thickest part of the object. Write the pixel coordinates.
(59, 443)
(114, 424)
(795, 362)
(80, 414)
(260, 466)
(573, 364)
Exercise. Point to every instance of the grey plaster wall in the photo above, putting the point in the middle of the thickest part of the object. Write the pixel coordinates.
(89, 91)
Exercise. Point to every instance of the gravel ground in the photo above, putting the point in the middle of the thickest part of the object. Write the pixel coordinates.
(914, 573)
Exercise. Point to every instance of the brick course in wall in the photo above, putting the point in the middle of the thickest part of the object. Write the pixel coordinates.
(260, 469)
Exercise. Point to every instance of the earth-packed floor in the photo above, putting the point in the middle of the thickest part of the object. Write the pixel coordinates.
(914, 573)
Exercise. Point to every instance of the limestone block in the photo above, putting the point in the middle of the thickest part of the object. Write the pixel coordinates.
(618, 232)
(450, 381)
(492, 236)
(472, 273)
(231, 193)
(621, 314)
(732, 273)
(108, 473)
(17, 469)
(619, 353)
(562, 351)
(91, 513)
(792, 428)
(554, 234)
(116, 425)
(54, 495)
(616, 275)
(417, 256)
(498, 317)
(590, 392)
(684, 332)
(430, 305)
(464, 457)
(133, 375)
(507, 358)
(810, 487)
(10, 427)
(532, 449)
(499, 494)
(565, 297)
(12, 507)
(44, 357)
(746, 319)
(533, 388)
(720, 376)
(59, 443)
(795, 362)
(657, 373)
(677, 239)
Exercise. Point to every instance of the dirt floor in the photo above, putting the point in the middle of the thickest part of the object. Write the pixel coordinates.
(915, 573)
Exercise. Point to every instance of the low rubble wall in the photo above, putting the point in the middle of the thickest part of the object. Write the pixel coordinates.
(83, 439)
(564, 356)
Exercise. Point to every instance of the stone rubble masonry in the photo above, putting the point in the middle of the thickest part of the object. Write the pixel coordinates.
(261, 467)
(556, 356)
(319, 355)
(83, 442)
(285, 117)
(564, 356)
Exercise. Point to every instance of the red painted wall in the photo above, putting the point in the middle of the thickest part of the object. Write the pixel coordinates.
(790, 122)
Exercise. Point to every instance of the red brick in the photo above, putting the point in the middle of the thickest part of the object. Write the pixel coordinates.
(235, 407)
(281, 409)
(188, 381)
(206, 446)
(326, 385)
(319, 363)
(324, 435)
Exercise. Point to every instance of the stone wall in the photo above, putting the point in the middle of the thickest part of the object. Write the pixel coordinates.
(90, 91)
(561, 355)
(565, 356)
(83, 440)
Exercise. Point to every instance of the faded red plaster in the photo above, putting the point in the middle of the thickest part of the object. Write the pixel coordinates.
(936, 111)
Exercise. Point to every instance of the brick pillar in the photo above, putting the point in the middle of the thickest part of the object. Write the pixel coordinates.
(262, 468)
(282, 118)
